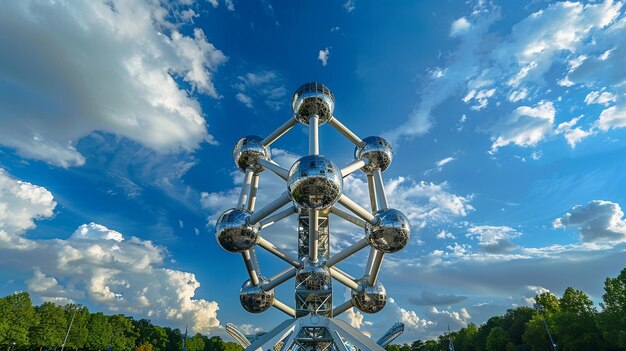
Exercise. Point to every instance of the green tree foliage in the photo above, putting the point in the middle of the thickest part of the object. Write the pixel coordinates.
(549, 302)
(79, 317)
(195, 343)
(123, 335)
(19, 317)
(576, 301)
(497, 340)
(100, 332)
(174, 339)
(50, 331)
(613, 317)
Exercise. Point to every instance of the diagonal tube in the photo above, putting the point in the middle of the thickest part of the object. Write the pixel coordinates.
(279, 279)
(352, 167)
(247, 259)
(342, 308)
(372, 191)
(345, 131)
(356, 209)
(377, 262)
(274, 167)
(270, 208)
(349, 251)
(343, 278)
(279, 253)
(284, 308)
(278, 216)
(254, 186)
(284, 128)
(348, 217)
(380, 189)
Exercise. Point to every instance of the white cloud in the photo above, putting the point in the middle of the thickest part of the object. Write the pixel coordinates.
(244, 99)
(459, 26)
(572, 134)
(349, 5)
(444, 161)
(323, 56)
(597, 221)
(265, 86)
(230, 6)
(612, 117)
(525, 126)
(494, 239)
(107, 66)
(355, 318)
(445, 235)
(601, 98)
(95, 263)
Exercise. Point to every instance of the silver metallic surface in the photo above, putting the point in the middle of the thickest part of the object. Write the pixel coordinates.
(313, 99)
(254, 299)
(376, 151)
(371, 299)
(314, 275)
(247, 151)
(314, 182)
(233, 231)
(391, 232)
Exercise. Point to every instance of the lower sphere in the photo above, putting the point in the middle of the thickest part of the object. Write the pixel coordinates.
(254, 299)
(314, 276)
(371, 299)
(234, 232)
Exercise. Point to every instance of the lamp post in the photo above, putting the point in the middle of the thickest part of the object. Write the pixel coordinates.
(540, 308)
(69, 328)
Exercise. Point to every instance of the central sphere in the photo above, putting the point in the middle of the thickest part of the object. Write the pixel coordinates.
(254, 299)
(314, 182)
(391, 232)
(247, 151)
(313, 99)
(234, 232)
(370, 299)
(314, 275)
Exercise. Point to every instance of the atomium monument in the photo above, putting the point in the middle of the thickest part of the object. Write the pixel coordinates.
(313, 189)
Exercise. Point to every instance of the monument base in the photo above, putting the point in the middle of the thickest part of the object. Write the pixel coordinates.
(314, 333)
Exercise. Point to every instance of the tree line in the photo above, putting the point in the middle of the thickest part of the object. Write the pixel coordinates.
(572, 320)
(26, 327)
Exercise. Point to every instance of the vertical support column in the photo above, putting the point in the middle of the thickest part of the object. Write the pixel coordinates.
(253, 189)
(313, 234)
(380, 189)
(372, 190)
(245, 189)
(314, 148)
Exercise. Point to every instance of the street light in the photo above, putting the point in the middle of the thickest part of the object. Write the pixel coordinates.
(540, 308)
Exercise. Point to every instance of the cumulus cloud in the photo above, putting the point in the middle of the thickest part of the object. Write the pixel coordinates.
(525, 126)
(349, 5)
(572, 133)
(264, 86)
(597, 221)
(323, 56)
(494, 239)
(355, 318)
(459, 26)
(445, 235)
(601, 98)
(107, 66)
(96, 263)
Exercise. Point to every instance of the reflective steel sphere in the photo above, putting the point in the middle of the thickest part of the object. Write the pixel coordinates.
(314, 276)
(254, 299)
(377, 152)
(314, 182)
(233, 231)
(313, 99)
(391, 232)
(247, 151)
(371, 299)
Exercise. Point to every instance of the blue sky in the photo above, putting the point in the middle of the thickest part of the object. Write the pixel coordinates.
(118, 121)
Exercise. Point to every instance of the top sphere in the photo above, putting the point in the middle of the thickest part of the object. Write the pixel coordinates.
(247, 151)
(376, 151)
(314, 182)
(313, 99)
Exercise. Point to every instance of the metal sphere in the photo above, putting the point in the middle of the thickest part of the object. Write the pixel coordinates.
(234, 232)
(314, 275)
(371, 299)
(247, 151)
(254, 299)
(314, 182)
(313, 99)
(376, 151)
(391, 232)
